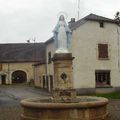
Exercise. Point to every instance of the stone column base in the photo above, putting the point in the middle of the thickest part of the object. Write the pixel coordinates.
(66, 93)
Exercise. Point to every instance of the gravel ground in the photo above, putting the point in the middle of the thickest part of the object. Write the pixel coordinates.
(11, 96)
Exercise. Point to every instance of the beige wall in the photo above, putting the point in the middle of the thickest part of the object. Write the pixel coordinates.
(9, 68)
(40, 71)
(84, 48)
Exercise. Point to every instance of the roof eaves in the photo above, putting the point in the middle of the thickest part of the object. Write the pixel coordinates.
(99, 18)
(110, 21)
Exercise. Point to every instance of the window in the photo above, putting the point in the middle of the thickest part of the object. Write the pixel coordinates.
(103, 51)
(49, 57)
(101, 24)
(102, 78)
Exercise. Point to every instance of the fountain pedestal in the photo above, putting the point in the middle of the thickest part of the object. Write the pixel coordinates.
(63, 84)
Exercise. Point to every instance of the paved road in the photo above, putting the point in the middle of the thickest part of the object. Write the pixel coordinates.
(11, 96)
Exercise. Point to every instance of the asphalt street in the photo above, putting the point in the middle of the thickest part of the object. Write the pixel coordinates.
(10, 97)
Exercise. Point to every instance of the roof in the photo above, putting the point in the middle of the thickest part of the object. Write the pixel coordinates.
(78, 23)
(91, 17)
(99, 18)
(22, 52)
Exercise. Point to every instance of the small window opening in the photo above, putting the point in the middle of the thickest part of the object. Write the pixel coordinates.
(101, 24)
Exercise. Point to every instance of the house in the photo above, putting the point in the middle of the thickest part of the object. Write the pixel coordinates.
(17, 59)
(95, 45)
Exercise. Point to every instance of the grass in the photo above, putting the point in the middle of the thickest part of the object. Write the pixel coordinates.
(109, 95)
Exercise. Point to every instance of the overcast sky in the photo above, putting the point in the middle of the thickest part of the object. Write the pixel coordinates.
(21, 20)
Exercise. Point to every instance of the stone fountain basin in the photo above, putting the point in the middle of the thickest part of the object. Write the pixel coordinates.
(80, 108)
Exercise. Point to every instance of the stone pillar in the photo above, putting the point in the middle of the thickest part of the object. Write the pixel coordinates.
(10, 78)
(63, 76)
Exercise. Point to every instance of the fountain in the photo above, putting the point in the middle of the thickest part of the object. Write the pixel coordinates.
(64, 103)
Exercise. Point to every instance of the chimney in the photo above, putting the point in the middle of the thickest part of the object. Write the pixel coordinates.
(72, 21)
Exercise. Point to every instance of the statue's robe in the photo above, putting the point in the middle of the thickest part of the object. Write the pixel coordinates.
(62, 36)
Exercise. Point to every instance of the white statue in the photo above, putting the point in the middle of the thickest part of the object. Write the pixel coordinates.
(62, 36)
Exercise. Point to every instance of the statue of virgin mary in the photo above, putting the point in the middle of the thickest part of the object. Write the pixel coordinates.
(62, 36)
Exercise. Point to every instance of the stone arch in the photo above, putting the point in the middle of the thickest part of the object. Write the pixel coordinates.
(19, 76)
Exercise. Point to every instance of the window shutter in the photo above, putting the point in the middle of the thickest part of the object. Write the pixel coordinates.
(103, 50)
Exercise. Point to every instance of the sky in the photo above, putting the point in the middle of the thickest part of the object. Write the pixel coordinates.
(22, 20)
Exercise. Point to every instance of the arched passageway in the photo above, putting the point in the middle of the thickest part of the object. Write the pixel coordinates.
(19, 76)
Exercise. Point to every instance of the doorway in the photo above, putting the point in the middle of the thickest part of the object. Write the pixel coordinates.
(3, 79)
(19, 76)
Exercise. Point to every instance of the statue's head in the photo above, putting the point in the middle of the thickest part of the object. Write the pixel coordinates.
(61, 18)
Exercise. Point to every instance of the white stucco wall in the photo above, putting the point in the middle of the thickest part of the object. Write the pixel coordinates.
(85, 40)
